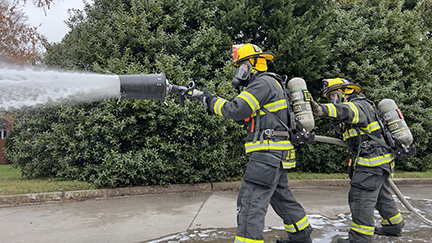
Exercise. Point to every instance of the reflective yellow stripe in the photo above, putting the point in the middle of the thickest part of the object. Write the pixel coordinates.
(331, 110)
(239, 239)
(250, 99)
(273, 107)
(303, 223)
(373, 126)
(356, 112)
(278, 84)
(268, 145)
(298, 226)
(288, 165)
(395, 124)
(276, 106)
(393, 220)
(350, 133)
(375, 161)
(218, 106)
(363, 229)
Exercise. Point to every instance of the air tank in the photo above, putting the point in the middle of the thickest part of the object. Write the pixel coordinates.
(301, 103)
(395, 121)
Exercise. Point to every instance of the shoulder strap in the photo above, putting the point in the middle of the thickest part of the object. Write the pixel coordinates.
(281, 79)
(277, 118)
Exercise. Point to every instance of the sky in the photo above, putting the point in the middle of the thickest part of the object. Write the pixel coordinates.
(53, 26)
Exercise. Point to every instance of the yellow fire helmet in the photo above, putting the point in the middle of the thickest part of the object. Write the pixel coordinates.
(342, 85)
(253, 52)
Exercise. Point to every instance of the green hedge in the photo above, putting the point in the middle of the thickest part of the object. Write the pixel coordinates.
(130, 143)
(377, 44)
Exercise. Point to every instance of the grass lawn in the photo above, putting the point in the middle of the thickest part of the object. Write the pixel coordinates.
(11, 182)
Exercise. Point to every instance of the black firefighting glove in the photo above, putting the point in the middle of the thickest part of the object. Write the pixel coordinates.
(206, 98)
(316, 108)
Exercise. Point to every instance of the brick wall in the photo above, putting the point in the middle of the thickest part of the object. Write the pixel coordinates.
(6, 125)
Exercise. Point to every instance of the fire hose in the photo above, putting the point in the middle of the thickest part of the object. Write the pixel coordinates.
(396, 190)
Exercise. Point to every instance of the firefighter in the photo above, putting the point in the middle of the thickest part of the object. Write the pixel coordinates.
(267, 142)
(373, 164)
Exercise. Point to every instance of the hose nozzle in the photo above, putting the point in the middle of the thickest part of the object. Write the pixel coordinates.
(144, 86)
(153, 87)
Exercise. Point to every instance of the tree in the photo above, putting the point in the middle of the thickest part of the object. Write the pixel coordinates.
(39, 3)
(293, 30)
(19, 43)
(425, 8)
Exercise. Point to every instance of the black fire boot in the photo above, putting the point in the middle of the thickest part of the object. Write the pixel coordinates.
(390, 230)
(289, 240)
(343, 240)
(299, 237)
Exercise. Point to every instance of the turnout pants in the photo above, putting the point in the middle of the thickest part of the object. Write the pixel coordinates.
(265, 182)
(370, 189)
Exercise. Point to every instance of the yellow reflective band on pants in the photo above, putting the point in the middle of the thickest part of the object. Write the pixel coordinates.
(393, 220)
(300, 225)
(239, 239)
(268, 145)
(363, 229)
(375, 161)
(288, 165)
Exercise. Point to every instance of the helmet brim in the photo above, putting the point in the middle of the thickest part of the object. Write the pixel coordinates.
(357, 88)
(266, 55)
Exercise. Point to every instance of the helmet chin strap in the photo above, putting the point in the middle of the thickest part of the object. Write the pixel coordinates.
(344, 96)
(255, 62)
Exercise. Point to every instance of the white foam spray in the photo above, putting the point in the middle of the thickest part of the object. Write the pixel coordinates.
(21, 87)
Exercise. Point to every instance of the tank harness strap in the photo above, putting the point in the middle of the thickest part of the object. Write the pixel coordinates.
(377, 141)
(277, 118)
(351, 167)
(257, 125)
(270, 132)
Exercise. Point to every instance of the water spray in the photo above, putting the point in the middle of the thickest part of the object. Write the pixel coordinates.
(396, 190)
(26, 87)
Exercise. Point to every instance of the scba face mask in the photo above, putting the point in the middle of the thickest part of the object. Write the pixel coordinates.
(242, 75)
(334, 97)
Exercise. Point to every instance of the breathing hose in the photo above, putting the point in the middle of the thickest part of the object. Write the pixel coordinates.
(396, 190)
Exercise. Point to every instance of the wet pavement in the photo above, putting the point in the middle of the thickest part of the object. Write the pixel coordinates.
(207, 216)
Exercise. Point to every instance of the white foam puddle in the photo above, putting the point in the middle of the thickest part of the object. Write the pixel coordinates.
(326, 230)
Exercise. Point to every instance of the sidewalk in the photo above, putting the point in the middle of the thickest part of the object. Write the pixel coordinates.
(143, 214)
(145, 190)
